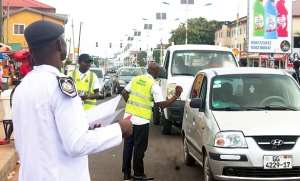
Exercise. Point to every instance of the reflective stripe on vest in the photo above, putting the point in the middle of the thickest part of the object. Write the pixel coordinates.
(85, 85)
(140, 101)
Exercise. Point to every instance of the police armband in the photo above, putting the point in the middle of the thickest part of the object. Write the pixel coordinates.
(66, 85)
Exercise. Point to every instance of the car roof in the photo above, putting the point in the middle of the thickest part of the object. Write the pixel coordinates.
(130, 68)
(242, 70)
(95, 68)
(199, 47)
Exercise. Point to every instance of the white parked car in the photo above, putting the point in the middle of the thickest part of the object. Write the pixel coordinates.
(105, 87)
(243, 124)
(181, 63)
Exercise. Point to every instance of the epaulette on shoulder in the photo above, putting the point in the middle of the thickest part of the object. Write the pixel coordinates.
(67, 86)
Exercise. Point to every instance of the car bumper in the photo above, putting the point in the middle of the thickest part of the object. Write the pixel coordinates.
(175, 112)
(250, 165)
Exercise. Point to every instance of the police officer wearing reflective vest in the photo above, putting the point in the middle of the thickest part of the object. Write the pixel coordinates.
(86, 82)
(140, 95)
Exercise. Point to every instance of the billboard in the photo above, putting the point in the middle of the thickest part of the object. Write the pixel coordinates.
(270, 26)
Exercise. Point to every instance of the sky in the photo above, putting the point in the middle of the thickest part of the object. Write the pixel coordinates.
(106, 21)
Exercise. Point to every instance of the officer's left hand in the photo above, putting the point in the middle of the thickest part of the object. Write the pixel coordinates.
(126, 127)
(178, 90)
(84, 97)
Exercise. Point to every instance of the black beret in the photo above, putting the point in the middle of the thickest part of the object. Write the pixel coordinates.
(42, 32)
(85, 57)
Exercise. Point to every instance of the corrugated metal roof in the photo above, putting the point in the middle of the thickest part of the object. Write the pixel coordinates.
(26, 4)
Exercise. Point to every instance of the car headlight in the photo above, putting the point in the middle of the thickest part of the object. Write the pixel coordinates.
(171, 90)
(232, 139)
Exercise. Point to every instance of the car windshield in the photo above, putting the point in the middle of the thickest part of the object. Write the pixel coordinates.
(98, 72)
(254, 92)
(189, 62)
(130, 72)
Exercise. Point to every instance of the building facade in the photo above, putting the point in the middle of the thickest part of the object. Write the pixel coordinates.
(18, 14)
(233, 34)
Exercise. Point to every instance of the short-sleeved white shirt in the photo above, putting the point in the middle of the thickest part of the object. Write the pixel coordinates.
(157, 97)
(52, 135)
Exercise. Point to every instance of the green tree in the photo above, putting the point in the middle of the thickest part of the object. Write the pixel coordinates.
(156, 55)
(142, 58)
(200, 31)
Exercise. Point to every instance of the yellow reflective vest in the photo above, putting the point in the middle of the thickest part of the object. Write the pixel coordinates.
(140, 101)
(86, 86)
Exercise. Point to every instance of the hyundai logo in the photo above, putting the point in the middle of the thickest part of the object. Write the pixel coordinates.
(277, 142)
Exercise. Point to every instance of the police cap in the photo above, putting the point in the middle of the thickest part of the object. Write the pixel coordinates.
(85, 58)
(42, 32)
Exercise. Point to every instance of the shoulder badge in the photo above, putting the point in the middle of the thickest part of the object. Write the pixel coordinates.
(66, 85)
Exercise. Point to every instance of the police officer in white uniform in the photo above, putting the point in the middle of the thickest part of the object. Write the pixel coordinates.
(52, 135)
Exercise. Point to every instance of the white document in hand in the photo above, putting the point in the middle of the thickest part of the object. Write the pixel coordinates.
(106, 113)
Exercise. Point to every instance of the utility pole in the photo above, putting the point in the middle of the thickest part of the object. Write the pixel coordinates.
(79, 38)
(73, 41)
(1, 21)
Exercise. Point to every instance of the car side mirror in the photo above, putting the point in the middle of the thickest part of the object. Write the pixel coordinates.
(197, 103)
(163, 73)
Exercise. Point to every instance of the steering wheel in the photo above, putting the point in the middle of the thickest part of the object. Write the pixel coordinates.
(272, 99)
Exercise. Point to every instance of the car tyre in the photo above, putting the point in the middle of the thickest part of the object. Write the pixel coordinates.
(188, 159)
(207, 174)
(110, 93)
(166, 127)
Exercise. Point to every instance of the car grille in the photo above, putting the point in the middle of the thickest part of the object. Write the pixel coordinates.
(260, 172)
(276, 142)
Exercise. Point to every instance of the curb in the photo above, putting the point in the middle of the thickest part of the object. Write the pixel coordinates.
(8, 161)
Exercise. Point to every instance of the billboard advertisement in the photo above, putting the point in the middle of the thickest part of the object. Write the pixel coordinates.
(270, 26)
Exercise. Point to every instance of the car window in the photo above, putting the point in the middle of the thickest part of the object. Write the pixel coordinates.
(202, 94)
(189, 62)
(196, 86)
(130, 72)
(252, 91)
(166, 62)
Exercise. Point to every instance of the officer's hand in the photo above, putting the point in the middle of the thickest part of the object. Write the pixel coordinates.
(126, 127)
(178, 90)
(83, 97)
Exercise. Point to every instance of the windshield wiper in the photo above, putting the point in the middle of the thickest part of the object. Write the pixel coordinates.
(275, 107)
(229, 109)
(270, 107)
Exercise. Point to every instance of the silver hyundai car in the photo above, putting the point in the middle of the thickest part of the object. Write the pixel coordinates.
(243, 124)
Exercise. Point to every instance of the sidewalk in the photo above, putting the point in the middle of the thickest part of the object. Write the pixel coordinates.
(8, 157)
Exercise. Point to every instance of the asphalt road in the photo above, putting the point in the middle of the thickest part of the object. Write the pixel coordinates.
(163, 161)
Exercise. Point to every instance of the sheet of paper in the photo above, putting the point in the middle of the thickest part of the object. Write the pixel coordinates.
(106, 113)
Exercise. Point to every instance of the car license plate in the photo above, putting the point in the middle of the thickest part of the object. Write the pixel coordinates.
(278, 162)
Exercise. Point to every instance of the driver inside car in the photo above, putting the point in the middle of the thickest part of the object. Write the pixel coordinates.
(223, 97)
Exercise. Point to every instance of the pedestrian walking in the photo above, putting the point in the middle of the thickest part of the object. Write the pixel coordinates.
(86, 82)
(296, 65)
(140, 95)
(52, 135)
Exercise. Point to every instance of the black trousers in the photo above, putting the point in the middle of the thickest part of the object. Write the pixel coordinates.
(137, 144)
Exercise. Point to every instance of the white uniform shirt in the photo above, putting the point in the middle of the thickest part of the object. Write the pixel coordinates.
(157, 97)
(51, 131)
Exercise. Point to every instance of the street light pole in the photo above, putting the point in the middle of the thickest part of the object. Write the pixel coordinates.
(1, 21)
(187, 3)
(79, 38)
